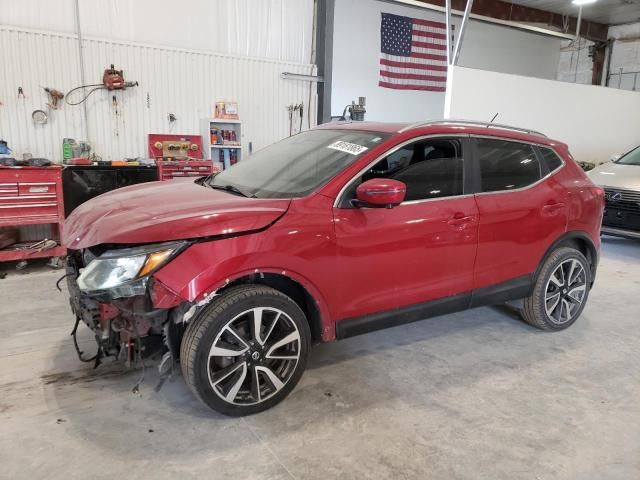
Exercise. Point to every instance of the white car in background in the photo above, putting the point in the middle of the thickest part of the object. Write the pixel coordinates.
(620, 179)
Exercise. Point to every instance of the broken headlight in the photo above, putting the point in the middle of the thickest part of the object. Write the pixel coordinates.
(124, 271)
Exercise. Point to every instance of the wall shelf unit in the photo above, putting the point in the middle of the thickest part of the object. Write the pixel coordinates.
(222, 140)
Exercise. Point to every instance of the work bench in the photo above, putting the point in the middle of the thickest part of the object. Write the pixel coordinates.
(44, 196)
(31, 196)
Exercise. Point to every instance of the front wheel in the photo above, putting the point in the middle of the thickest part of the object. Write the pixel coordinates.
(560, 292)
(246, 350)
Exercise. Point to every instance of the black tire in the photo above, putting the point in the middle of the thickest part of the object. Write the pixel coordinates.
(209, 326)
(535, 305)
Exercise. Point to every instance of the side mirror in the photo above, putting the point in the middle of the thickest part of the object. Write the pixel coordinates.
(381, 192)
(616, 157)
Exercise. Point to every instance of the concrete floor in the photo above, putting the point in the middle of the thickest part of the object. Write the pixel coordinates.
(467, 396)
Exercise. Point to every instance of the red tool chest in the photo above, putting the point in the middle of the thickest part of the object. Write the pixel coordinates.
(31, 196)
(178, 156)
(169, 169)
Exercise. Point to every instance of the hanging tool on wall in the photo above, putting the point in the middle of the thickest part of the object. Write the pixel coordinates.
(39, 117)
(116, 112)
(54, 97)
(21, 93)
(290, 110)
(114, 102)
(112, 79)
(301, 108)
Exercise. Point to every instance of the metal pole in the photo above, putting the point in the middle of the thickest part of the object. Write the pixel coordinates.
(608, 63)
(448, 16)
(620, 78)
(82, 78)
(463, 25)
(324, 57)
(579, 23)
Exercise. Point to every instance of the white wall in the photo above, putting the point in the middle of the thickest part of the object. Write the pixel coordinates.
(594, 121)
(277, 29)
(356, 49)
(184, 82)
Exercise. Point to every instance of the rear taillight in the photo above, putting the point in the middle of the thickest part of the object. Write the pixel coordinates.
(598, 191)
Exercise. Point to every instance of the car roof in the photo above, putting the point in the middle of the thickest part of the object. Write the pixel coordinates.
(447, 127)
(377, 127)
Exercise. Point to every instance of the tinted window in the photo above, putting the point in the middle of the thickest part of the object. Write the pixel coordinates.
(430, 169)
(631, 158)
(506, 165)
(551, 158)
(297, 165)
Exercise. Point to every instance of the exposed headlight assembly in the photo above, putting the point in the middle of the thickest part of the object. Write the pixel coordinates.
(124, 272)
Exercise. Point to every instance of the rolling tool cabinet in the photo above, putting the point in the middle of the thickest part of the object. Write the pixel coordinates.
(31, 196)
(170, 169)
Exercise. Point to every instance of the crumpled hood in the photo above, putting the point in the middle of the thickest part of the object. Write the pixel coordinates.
(616, 175)
(163, 211)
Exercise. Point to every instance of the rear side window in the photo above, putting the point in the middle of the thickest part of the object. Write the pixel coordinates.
(506, 165)
(551, 158)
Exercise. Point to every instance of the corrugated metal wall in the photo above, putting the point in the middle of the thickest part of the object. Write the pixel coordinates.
(276, 29)
(575, 64)
(624, 66)
(183, 82)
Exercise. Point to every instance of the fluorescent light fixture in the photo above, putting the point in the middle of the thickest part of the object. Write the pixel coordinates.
(583, 2)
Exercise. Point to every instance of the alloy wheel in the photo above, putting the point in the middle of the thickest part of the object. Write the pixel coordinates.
(565, 291)
(253, 356)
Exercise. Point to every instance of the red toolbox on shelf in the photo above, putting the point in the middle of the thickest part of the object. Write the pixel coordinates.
(31, 196)
(170, 169)
(178, 156)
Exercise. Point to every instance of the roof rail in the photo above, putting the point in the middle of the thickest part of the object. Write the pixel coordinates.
(470, 123)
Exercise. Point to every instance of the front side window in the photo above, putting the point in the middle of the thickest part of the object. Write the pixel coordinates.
(631, 158)
(506, 165)
(429, 168)
(298, 165)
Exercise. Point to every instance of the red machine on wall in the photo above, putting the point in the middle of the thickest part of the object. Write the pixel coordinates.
(178, 156)
(31, 196)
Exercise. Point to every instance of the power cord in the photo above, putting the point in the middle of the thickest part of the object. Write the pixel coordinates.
(99, 86)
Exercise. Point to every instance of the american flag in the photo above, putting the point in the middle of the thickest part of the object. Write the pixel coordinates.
(413, 54)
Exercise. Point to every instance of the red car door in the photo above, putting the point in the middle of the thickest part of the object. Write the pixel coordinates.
(522, 209)
(421, 250)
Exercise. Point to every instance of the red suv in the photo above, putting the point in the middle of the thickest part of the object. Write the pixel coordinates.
(334, 232)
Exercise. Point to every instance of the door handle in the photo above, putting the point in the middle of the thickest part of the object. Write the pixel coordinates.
(553, 207)
(460, 219)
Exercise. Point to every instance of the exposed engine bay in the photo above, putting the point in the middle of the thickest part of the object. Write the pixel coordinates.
(128, 328)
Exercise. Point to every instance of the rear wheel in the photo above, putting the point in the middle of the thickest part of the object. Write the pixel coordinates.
(560, 292)
(246, 350)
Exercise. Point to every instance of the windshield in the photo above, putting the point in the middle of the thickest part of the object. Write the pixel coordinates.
(298, 165)
(631, 158)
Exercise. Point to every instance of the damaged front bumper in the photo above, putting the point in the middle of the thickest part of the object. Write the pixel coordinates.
(129, 321)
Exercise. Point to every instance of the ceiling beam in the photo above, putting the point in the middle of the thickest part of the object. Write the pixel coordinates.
(509, 12)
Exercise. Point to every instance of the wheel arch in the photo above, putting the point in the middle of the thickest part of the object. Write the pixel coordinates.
(301, 291)
(580, 241)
